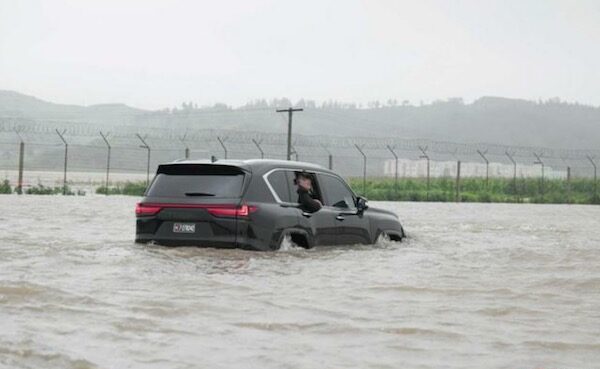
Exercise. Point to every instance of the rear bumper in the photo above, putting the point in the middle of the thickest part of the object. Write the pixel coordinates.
(221, 242)
(220, 233)
(218, 243)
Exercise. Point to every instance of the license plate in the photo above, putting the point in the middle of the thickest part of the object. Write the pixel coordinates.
(184, 228)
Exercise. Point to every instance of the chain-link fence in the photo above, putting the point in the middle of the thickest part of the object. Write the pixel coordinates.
(48, 152)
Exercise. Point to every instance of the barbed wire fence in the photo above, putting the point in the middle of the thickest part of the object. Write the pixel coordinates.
(61, 152)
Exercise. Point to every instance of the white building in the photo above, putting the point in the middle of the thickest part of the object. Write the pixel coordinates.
(418, 168)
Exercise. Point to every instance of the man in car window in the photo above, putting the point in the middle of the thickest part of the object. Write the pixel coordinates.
(306, 197)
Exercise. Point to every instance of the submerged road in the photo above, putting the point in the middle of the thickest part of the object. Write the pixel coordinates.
(475, 285)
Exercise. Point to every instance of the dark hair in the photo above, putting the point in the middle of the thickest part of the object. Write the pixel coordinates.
(303, 175)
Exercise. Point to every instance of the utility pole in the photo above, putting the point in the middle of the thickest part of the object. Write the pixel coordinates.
(290, 112)
(487, 167)
(105, 138)
(425, 156)
(396, 167)
(147, 147)
(61, 135)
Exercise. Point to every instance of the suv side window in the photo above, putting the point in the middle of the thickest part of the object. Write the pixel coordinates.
(279, 182)
(338, 194)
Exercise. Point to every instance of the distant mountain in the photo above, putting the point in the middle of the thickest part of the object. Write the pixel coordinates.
(14, 104)
(550, 123)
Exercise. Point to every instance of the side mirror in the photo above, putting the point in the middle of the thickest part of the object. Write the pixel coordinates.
(361, 204)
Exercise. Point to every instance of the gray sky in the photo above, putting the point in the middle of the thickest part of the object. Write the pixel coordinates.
(158, 53)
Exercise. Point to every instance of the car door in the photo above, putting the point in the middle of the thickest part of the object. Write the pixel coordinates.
(280, 218)
(321, 224)
(352, 227)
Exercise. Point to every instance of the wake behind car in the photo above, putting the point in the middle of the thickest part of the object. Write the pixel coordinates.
(252, 204)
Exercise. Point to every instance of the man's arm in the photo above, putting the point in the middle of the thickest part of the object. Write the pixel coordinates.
(308, 203)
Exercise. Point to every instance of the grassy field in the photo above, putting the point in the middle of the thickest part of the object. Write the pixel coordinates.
(556, 191)
(128, 188)
(6, 188)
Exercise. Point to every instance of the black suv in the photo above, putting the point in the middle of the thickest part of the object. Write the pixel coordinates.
(252, 204)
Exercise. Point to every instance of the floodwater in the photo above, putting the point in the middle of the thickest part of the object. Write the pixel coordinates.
(475, 286)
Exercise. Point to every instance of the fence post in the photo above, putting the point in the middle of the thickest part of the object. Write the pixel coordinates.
(514, 162)
(19, 188)
(569, 185)
(425, 156)
(396, 168)
(457, 197)
(359, 148)
(61, 135)
(540, 162)
(147, 147)
(187, 149)
(329, 156)
(595, 177)
(257, 144)
(222, 142)
(487, 168)
(105, 138)
(295, 153)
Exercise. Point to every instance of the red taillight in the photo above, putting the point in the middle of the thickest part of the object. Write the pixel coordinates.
(146, 209)
(217, 210)
(231, 211)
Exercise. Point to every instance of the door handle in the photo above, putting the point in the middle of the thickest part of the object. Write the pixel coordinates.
(340, 217)
(306, 214)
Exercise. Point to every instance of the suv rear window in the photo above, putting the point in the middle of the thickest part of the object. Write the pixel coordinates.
(197, 180)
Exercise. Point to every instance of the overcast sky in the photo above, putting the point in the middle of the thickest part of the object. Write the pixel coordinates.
(158, 53)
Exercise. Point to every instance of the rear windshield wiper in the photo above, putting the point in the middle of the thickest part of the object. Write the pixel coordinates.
(199, 194)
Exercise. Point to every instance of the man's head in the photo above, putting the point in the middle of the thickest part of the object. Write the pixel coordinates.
(304, 180)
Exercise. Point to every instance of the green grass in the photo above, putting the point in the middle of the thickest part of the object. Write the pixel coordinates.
(444, 190)
(555, 191)
(39, 189)
(5, 187)
(44, 190)
(528, 190)
(129, 188)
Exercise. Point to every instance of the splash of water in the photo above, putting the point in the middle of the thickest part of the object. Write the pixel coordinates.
(288, 245)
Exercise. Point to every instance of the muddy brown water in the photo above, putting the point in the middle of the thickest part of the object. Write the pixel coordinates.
(475, 285)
